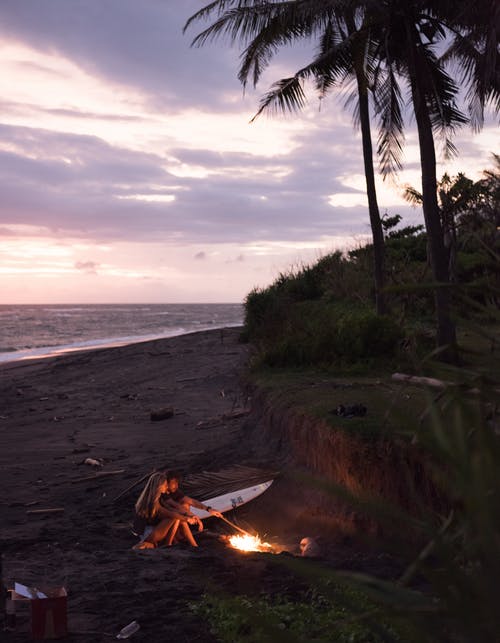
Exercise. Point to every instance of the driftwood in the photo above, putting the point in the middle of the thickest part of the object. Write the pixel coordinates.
(237, 413)
(52, 510)
(434, 383)
(426, 381)
(221, 419)
(100, 474)
(210, 424)
(162, 414)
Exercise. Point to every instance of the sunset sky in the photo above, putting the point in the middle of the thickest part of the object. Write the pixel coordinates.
(129, 170)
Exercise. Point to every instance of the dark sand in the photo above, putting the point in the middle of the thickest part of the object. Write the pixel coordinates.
(56, 412)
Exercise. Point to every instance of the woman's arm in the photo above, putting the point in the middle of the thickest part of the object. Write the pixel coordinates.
(172, 512)
(172, 509)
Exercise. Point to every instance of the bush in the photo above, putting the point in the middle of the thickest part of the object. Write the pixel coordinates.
(332, 278)
(322, 333)
(363, 334)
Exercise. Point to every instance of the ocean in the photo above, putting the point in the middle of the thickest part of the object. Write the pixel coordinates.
(28, 332)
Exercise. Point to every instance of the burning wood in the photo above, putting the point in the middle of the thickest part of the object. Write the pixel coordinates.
(249, 543)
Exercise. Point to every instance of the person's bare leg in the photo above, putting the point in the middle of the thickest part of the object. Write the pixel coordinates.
(188, 534)
(161, 530)
(173, 531)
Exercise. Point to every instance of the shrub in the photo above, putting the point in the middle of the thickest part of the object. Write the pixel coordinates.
(324, 333)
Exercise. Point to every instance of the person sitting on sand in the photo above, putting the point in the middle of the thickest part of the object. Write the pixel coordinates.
(175, 500)
(157, 522)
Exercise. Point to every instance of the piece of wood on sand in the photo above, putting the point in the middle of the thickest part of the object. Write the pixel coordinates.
(49, 510)
(100, 474)
(425, 381)
(221, 419)
(162, 414)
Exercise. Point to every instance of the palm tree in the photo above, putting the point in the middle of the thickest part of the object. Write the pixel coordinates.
(411, 32)
(476, 32)
(345, 54)
(403, 35)
(456, 195)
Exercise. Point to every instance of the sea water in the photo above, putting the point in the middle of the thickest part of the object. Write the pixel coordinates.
(38, 331)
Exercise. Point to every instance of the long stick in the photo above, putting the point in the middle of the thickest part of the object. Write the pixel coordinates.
(51, 510)
(96, 476)
(134, 484)
(236, 526)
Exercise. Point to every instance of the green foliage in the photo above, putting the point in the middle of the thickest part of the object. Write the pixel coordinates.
(325, 333)
(322, 314)
(312, 617)
(460, 560)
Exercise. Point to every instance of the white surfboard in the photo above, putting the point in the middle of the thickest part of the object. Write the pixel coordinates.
(231, 500)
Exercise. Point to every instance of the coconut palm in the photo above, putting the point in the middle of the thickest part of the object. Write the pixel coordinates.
(476, 32)
(344, 56)
(403, 35)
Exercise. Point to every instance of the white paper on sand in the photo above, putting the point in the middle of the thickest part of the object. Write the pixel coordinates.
(28, 592)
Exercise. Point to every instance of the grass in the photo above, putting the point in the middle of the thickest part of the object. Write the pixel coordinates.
(390, 406)
(313, 616)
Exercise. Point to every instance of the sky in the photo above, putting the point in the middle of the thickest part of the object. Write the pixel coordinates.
(130, 171)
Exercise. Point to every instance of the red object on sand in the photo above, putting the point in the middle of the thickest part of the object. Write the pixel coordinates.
(49, 617)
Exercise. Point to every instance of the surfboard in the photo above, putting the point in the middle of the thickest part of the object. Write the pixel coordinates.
(232, 500)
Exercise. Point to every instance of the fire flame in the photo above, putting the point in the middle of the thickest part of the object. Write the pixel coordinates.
(249, 543)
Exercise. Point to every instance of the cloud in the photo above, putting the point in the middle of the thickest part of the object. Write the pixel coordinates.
(239, 259)
(115, 132)
(139, 45)
(84, 186)
(90, 267)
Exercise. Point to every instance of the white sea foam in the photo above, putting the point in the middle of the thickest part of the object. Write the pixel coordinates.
(31, 332)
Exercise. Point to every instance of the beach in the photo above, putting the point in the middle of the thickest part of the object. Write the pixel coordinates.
(57, 412)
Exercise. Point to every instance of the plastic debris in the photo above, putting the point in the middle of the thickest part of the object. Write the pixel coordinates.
(128, 630)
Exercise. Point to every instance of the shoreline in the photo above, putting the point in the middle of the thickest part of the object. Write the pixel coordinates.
(43, 352)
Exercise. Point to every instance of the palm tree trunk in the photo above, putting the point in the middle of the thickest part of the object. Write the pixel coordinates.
(373, 210)
(446, 334)
(375, 222)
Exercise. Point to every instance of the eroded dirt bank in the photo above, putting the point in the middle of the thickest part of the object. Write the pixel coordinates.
(365, 466)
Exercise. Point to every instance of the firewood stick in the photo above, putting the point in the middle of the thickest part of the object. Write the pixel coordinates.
(235, 526)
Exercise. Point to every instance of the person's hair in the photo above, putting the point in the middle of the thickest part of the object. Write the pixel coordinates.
(173, 475)
(148, 502)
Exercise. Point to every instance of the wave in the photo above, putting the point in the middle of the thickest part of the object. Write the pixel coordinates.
(12, 354)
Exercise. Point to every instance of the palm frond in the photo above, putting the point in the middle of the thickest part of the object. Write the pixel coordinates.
(439, 91)
(286, 23)
(476, 29)
(387, 97)
(286, 95)
(411, 195)
(218, 7)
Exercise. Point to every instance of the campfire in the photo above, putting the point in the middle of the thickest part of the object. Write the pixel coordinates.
(247, 542)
